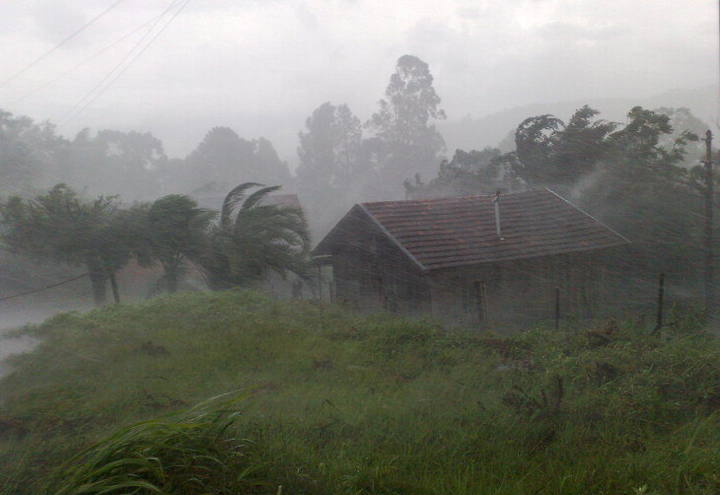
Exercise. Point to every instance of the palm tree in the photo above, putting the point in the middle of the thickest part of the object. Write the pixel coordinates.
(177, 232)
(253, 237)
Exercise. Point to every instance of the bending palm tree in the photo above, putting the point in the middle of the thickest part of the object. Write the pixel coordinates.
(252, 238)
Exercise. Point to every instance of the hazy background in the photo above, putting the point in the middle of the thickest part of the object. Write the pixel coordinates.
(261, 67)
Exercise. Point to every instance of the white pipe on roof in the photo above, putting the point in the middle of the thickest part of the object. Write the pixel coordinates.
(498, 229)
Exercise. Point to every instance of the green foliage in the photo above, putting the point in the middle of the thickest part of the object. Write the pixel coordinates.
(474, 172)
(222, 158)
(341, 403)
(553, 153)
(61, 226)
(642, 190)
(332, 170)
(182, 453)
(406, 142)
(28, 153)
(177, 230)
(253, 238)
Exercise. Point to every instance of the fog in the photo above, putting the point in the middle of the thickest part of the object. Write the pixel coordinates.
(262, 67)
(359, 246)
(142, 100)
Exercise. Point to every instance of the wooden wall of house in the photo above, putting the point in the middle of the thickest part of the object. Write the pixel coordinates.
(518, 290)
(371, 273)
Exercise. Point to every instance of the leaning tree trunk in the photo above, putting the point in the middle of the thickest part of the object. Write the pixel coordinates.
(97, 280)
(172, 276)
(114, 285)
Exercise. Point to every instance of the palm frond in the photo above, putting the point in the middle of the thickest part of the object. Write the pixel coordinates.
(256, 238)
(233, 198)
(258, 196)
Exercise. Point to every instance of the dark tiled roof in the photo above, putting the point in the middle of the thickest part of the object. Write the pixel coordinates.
(440, 233)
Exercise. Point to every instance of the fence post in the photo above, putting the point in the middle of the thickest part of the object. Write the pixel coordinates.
(557, 308)
(660, 302)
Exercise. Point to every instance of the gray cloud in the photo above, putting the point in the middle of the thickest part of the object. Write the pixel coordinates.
(263, 66)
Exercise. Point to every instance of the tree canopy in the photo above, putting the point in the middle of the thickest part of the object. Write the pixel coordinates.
(61, 226)
(407, 141)
(253, 237)
(177, 232)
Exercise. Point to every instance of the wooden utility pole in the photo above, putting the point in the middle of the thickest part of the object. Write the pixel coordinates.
(709, 253)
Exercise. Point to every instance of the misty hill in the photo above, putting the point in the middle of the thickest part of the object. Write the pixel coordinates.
(490, 130)
(336, 402)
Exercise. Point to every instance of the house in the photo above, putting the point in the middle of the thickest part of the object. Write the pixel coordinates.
(472, 259)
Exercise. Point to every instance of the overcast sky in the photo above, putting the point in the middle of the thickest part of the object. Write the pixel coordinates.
(262, 66)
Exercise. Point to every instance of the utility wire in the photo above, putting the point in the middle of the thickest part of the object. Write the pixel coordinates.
(56, 47)
(129, 59)
(34, 291)
(79, 106)
(85, 61)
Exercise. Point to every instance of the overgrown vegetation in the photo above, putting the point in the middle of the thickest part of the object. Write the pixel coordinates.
(339, 403)
(250, 239)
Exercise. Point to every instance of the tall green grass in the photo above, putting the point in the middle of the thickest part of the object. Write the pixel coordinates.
(340, 403)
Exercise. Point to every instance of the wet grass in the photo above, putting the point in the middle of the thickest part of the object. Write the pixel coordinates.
(338, 403)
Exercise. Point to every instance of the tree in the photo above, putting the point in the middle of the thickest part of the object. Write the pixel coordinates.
(402, 124)
(253, 237)
(177, 231)
(111, 161)
(330, 171)
(329, 149)
(551, 153)
(61, 226)
(683, 121)
(641, 189)
(224, 158)
(28, 153)
(473, 172)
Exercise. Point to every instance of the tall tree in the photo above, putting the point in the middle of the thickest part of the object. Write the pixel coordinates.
(223, 158)
(252, 238)
(552, 153)
(177, 231)
(330, 171)
(641, 189)
(28, 153)
(403, 124)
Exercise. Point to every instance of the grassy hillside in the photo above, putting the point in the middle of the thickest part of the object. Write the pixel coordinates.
(323, 402)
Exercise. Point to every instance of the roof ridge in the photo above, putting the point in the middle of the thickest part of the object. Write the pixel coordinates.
(393, 238)
(588, 214)
(451, 198)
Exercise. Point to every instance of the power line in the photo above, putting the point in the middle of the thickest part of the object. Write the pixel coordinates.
(79, 105)
(86, 60)
(63, 42)
(52, 286)
(112, 76)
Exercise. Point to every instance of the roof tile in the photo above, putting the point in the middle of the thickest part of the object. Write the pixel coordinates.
(440, 233)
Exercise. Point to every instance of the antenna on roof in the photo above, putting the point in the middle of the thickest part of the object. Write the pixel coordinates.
(498, 228)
